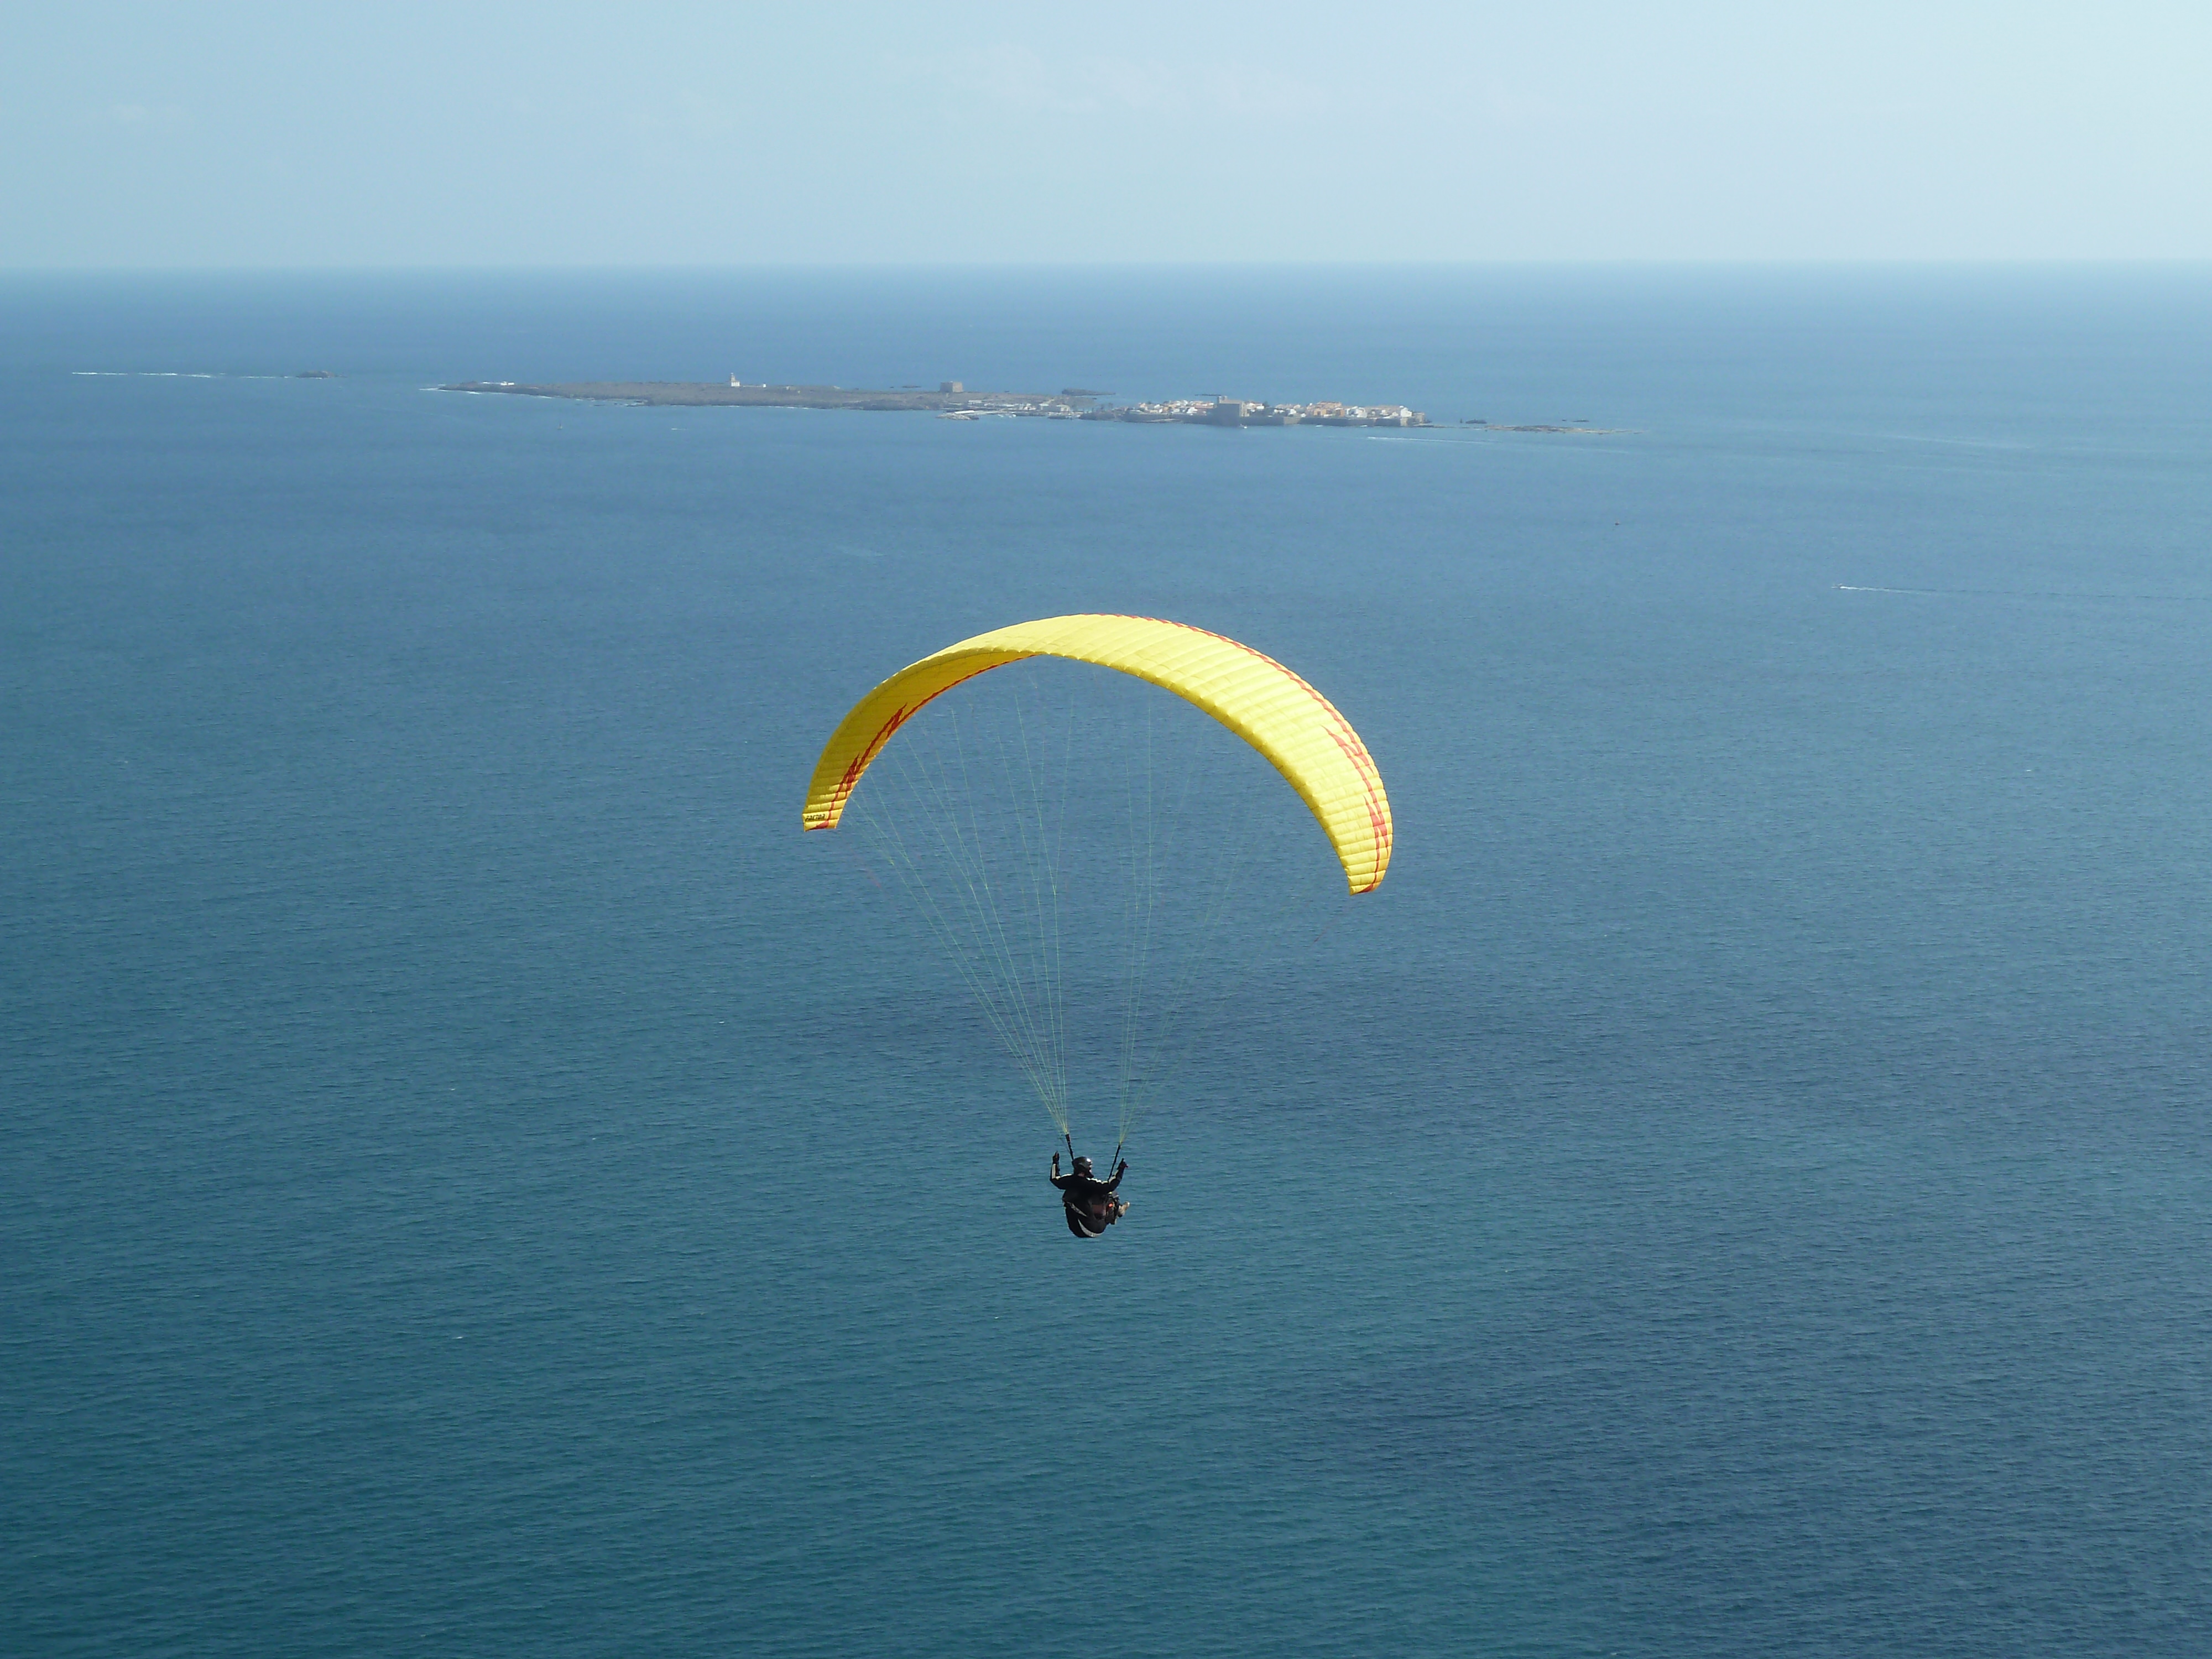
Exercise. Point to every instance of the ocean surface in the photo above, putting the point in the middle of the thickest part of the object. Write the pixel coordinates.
(474, 1179)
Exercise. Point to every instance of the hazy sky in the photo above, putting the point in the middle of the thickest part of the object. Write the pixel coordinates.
(241, 134)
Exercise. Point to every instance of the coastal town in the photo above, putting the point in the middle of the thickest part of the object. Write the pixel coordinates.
(1236, 411)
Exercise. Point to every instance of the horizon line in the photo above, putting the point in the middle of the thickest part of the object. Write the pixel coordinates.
(1914, 262)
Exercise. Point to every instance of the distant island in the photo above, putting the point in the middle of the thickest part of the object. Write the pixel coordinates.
(953, 401)
(950, 398)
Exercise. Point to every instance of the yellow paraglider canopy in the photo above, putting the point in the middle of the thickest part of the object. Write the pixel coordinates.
(1297, 728)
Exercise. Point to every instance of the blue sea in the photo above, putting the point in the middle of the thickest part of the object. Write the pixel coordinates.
(474, 1180)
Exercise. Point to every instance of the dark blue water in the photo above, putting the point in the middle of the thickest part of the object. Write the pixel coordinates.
(1740, 1186)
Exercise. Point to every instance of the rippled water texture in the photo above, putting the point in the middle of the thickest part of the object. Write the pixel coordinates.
(477, 1181)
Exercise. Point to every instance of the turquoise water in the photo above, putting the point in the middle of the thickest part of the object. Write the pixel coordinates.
(1738, 1187)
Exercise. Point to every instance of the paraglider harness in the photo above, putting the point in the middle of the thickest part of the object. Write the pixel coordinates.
(1082, 1221)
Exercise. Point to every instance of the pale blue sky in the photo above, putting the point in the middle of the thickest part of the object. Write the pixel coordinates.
(460, 134)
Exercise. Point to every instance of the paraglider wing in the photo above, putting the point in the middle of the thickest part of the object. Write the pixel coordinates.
(1263, 703)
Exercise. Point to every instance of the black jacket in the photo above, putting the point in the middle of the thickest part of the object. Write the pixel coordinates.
(1089, 1201)
(1086, 1193)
